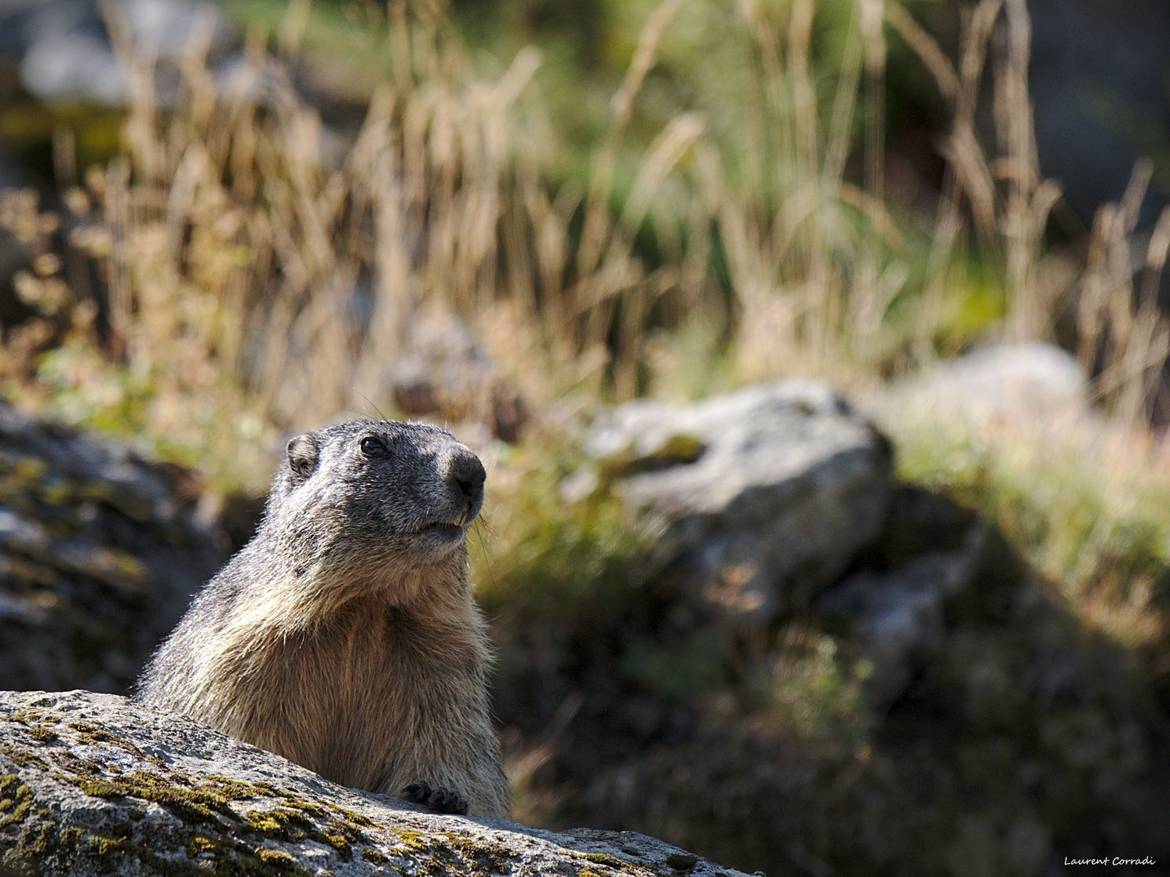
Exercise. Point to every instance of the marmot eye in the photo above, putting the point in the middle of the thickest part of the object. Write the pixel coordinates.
(373, 447)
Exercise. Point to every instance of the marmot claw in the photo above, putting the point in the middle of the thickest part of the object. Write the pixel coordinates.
(435, 798)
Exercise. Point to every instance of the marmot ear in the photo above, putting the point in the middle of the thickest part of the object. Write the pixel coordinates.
(302, 455)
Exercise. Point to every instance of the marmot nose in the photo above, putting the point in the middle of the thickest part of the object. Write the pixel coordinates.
(466, 472)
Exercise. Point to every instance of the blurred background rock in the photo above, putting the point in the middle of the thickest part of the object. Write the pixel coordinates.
(817, 353)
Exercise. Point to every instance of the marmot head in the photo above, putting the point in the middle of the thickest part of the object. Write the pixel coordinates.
(375, 494)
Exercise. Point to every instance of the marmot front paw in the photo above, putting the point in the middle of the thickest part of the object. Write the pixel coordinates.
(435, 798)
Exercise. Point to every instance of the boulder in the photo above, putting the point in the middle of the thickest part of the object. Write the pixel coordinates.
(100, 550)
(95, 784)
(764, 495)
(65, 53)
(1022, 385)
(895, 620)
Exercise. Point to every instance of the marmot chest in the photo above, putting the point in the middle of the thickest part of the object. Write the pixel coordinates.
(378, 693)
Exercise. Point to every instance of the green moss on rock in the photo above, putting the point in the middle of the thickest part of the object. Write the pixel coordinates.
(21, 757)
(193, 804)
(291, 825)
(15, 800)
(605, 859)
(448, 852)
(273, 857)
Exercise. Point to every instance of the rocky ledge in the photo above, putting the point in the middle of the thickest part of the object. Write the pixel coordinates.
(100, 551)
(97, 784)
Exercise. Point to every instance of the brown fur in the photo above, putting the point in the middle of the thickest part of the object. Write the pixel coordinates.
(359, 663)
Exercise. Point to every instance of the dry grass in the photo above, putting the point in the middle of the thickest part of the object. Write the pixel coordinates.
(254, 261)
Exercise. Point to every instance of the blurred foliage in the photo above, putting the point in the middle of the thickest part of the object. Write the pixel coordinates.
(28, 128)
(1101, 533)
(561, 557)
(818, 697)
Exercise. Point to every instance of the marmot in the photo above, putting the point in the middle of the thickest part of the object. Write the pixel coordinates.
(344, 635)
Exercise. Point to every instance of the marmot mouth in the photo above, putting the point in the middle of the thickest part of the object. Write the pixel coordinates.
(444, 530)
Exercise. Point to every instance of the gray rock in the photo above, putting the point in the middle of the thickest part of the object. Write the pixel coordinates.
(896, 618)
(94, 784)
(1020, 383)
(100, 551)
(14, 19)
(764, 495)
(64, 51)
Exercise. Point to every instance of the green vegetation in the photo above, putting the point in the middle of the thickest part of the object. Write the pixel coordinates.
(540, 554)
(1099, 531)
